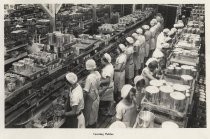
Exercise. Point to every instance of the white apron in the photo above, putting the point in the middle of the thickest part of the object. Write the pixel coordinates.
(129, 69)
(129, 117)
(148, 36)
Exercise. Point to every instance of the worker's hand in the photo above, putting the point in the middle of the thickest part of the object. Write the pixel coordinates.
(60, 113)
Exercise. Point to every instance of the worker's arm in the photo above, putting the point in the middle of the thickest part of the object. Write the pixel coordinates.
(105, 81)
(150, 76)
(72, 112)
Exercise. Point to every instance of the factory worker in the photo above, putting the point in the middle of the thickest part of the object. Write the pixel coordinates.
(142, 49)
(152, 42)
(126, 110)
(161, 20)
(75, 103)
(135, 36)
(161, 38)
(156, 29)
(184, 20)
(148, 36)
(117, 124)
(159, 56)
(91, 89)
(119, 71)
(149, 72)
(129, 68)
(174, 36)
(139, 82)
(107, 84)
(158, 25)
(136, 57)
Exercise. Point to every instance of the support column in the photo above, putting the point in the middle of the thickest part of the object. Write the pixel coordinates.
(51, 13)
(94, 13)
(133, 8)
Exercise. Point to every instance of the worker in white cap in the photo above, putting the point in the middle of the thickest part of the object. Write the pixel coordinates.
(107, 84)
(139, 82)
(142, 49)
(92, 84)
(117, 125)
(136, 57)
(119, 71)
(135, 36)
(148, 36)
(149, 72)
(129, 68)
(126, 110)
(152, 42)
(75, 103)
(159, 55)
(174, 36)
(156, 29)
(158, 25)
(161, 38)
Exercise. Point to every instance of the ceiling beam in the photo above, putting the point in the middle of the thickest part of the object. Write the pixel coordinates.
(44, 8)
(57, 8)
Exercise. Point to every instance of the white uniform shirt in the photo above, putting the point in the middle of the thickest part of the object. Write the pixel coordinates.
(76, 98)
(92, 82)
(121, 59)
(108, 71)
(160, 39)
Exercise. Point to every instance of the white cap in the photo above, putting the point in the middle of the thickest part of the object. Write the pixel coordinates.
(158, 18)
(125, 90)
(130, 40)
(150, 60)
(171, 32)
(139, 31)
(174, 29)
(108, 57)
(152, 23)
(117, 124)
(138, 78)
(122, 47)
(155, 21)
(166, 30)
(71, 78)
(145, 27)
(176, 25)
(135, 35)
(90, 64)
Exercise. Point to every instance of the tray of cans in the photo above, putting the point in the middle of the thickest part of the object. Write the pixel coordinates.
(168, 97)
(184, 60)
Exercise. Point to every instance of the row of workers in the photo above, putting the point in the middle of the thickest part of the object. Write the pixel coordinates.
(82, 105)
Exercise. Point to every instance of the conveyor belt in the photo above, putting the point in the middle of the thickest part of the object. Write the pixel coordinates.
(60, 72)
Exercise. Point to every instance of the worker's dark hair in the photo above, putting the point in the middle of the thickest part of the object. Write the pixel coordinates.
(133, 90)
(119, 49)
(153, 64)
(141, 83)
(104, 59)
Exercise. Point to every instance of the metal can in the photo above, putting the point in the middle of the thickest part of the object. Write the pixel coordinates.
(177, 101)
(165, 95)
(152, 94)
(187, 79)
(169, 124)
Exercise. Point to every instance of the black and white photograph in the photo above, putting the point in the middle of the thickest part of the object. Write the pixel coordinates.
(96, 66)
